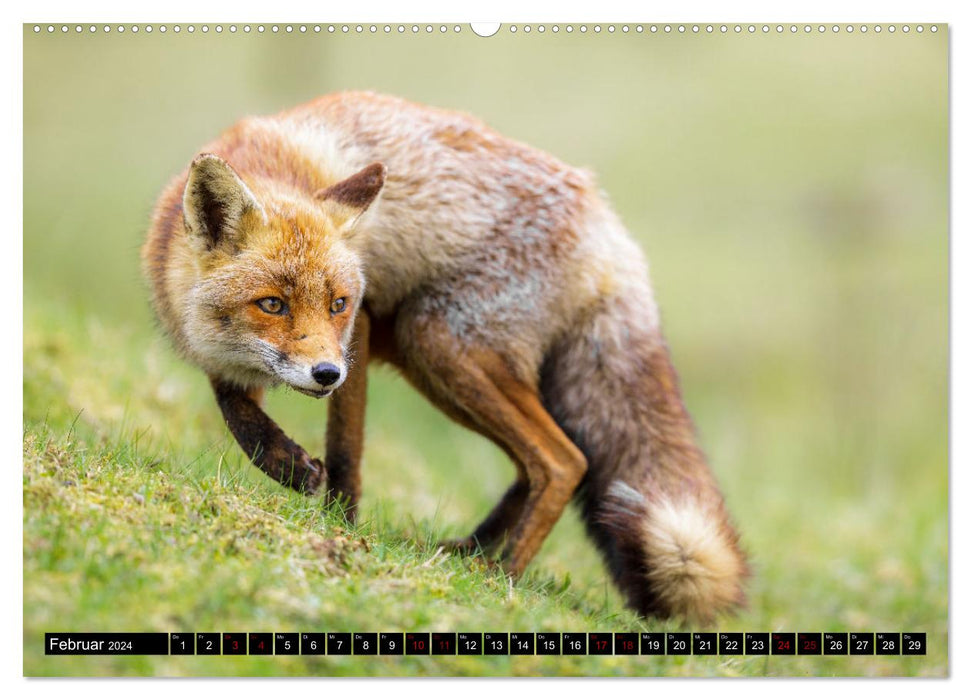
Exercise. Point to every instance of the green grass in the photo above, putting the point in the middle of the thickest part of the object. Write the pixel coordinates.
(129, 528)
(791, 195)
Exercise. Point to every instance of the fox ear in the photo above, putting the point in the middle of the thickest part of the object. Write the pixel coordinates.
(216, 200)
(346, 200)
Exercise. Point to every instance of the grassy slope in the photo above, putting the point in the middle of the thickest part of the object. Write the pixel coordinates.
(128, 530)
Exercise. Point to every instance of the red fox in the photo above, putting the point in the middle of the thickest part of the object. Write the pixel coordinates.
(299, 247)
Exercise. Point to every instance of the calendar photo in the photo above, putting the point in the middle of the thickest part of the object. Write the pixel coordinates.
(522, 349)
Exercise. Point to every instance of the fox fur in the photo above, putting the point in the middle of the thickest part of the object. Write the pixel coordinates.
(299, 247)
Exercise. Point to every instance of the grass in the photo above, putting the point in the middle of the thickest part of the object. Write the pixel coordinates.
(128, 529)
(796, 224)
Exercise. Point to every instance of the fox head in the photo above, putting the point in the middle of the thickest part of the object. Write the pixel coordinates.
(275, 285)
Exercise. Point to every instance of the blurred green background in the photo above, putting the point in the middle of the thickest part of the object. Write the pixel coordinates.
(791, 193)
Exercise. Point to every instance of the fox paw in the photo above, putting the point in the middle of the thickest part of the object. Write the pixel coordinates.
(466, 546)
(315, 475)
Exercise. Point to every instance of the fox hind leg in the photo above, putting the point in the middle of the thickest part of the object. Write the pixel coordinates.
(493, 529)
(474, 385)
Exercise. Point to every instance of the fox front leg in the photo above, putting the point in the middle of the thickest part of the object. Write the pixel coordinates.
(267, 446)
(345, 424)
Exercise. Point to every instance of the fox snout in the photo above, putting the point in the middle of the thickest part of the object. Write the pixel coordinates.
(314, 376)
(326, 374)
(318, 379)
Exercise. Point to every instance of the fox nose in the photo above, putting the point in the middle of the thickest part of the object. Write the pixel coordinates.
(325, 373)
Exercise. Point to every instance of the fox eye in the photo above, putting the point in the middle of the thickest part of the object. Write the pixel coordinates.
(272, 305)
(338, 305)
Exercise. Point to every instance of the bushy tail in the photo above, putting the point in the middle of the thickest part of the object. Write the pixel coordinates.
(649, 500)
(672, 558)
